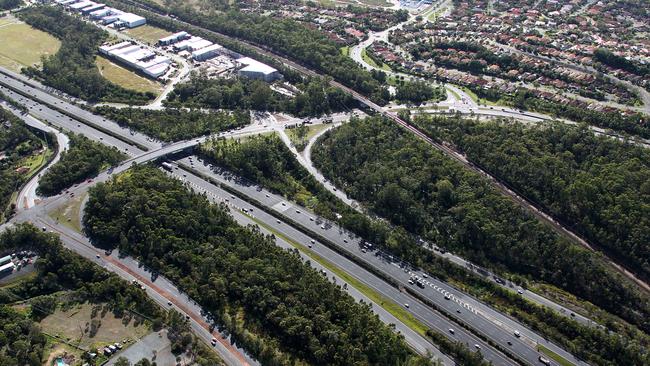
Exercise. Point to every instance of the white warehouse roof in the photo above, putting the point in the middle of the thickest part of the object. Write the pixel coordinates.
(130, 18)
(255, 66)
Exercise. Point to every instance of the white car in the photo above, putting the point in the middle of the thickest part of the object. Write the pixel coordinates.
(406, 305)
(517, 334)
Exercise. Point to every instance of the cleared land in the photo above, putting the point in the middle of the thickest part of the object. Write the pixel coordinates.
(79, 327)
(148, 33)
(126, 78)
(23, 45)
(69, 213)
(311, 132)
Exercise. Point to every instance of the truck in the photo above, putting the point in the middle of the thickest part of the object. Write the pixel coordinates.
(167, 166)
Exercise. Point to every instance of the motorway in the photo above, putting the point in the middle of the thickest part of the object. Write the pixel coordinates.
(480, 317)
(484, 327)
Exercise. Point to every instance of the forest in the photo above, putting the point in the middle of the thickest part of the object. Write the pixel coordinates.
(608, 58)
(9, 4)
(415, 187)
(273, 304)
(265, 160)
(72, 69)
(17, 142)
(285, 37)
(175, 124)
(58, 269)
(598, 185)
(315, 98)
(84, 159)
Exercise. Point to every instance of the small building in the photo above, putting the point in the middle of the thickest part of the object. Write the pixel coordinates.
(176, 37)
(254, 69)
(185, 44)
(207, 52)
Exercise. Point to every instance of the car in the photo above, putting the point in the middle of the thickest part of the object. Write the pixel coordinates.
(411, 282)
(447, 296)
(313, 241)
(345, 240)
(517, 334)
(311, 219)
(477, 346)
(267, 196)
(451, 330)
(44, 228)
(278, 221)
(363, 250)
(424, 275)
(97, 256)
(169, 303)
(520, 292)
(458, 310)
(297, 211)
(284, 204)
(214, 341)
(509, 343)
(187, 317)
(322, 227)
(544, 360)
(406, 305)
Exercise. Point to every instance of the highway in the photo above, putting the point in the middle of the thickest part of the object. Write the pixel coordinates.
(450, 152)
(143, 157)
(480, 317)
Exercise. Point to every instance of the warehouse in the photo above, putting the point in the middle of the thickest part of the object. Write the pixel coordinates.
(9, 267)
(207, 52)
(254, 69)
(5, 259)
(91, 8)
(137, 57)
(129, 20)
(176, 37)
(98, 14)
(80, 5)
(186, 44)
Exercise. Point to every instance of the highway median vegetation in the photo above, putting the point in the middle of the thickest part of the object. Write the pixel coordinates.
(415, 187)
(171, 124)
(84, 159)
(72, 69)
(18, 144)
(269, 301)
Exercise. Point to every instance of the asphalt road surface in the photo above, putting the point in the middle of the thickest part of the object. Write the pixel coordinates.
(485, 320)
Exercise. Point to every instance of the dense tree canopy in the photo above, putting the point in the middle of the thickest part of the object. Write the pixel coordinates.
(72, 69)
(175, 124)
(10, 4)
(84, 159)
(315, 97)
(268, 162)
(598, 185)
(416, 187)
(272, 303)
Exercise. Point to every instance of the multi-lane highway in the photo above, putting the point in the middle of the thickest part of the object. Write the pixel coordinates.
(484, 326)
(536, 210)
(484, 320)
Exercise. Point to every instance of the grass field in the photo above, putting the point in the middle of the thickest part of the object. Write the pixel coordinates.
(74, 326)
(69, 213)
(126, 78)
(311, 132)
(148, 33)
(23, 45)
(554, 356)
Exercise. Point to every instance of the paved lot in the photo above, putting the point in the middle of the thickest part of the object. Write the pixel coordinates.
(155, 346)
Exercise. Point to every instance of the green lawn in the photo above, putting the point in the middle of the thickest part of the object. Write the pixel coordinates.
(22, 45)
(126, 78)
(371, 62)
(554, 356)
(69, 214)
(345, 51)
(311, 132)
(148, 33)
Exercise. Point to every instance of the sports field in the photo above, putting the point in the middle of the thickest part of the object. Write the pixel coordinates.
(23, 45)
(126, 78)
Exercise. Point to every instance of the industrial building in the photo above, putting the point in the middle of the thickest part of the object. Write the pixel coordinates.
(130, 20)
(207, 52)
(4, 260)
(9, 267)
(94, 7)
(105, 15)
(176, 37)
(137, 57)
(254, 69)
(192, 44)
